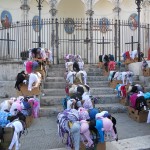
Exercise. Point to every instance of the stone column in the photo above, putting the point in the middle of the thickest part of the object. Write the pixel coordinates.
(25, 9)
(116, 12)
(116, 9)
(54, 40)
(53, 5)
(145, 10)
(24, 16)
(89, 13)
(146, 19)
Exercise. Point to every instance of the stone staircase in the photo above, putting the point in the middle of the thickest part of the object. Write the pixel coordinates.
(54, 90)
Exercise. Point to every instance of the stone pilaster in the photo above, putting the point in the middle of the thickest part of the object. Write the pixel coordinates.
(53, 7)
(116, 12)
(53, 12)
(145, 11)
(116, 9)
(89, 12)
(25, 9)
(146, 19)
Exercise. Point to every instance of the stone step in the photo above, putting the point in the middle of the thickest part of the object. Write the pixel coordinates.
(90, 79)
(95, 84)
(107, 99)
(94, 73)
(55, 73)
(97, 78)
(94, 91)
(105, 78)
(55, 109)
(55, 79)
(62, 84)
(90, 66)
(88, 70)
(56, 68)
(94, 70)
(51, 100)
(112, 108)
(46, 111)
(101, 90)
(59, 73)
(54, 92)
(134, 82)
(137, 82)
(87, 67)
(54, 85)
(98, 83)
(147, 89)
(57, 100)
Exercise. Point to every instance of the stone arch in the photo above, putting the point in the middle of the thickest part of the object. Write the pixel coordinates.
(71, 8)
(103, 8)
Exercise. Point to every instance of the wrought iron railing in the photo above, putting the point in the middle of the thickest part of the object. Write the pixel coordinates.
(66, 35)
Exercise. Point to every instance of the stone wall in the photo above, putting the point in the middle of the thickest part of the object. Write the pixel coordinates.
(136, 68)
(145, 80)
(8, 73)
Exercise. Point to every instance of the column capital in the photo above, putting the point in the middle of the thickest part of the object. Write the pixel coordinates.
(89, 6)
(25, 5)
(53, 5)
(117, 9)
(90, 12)
(53, 11)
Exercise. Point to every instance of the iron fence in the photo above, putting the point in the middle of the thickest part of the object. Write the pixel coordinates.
(73, 36)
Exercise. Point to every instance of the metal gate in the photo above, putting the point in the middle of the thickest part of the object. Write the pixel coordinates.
(76, 36)
(86, 37)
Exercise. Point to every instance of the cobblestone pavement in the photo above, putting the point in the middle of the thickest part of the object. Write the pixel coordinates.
(42, 135)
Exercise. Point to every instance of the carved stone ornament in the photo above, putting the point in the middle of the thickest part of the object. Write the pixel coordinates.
(53, 3)
(117, 9)
(25, 5)
(53, 11)
(90, 12)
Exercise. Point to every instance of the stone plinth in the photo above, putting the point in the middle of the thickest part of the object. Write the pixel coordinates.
(136, 68)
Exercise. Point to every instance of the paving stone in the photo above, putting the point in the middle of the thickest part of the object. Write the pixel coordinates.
(43, 135)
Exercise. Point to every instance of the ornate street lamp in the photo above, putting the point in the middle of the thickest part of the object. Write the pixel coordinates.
(39, 8)
(138, 3)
